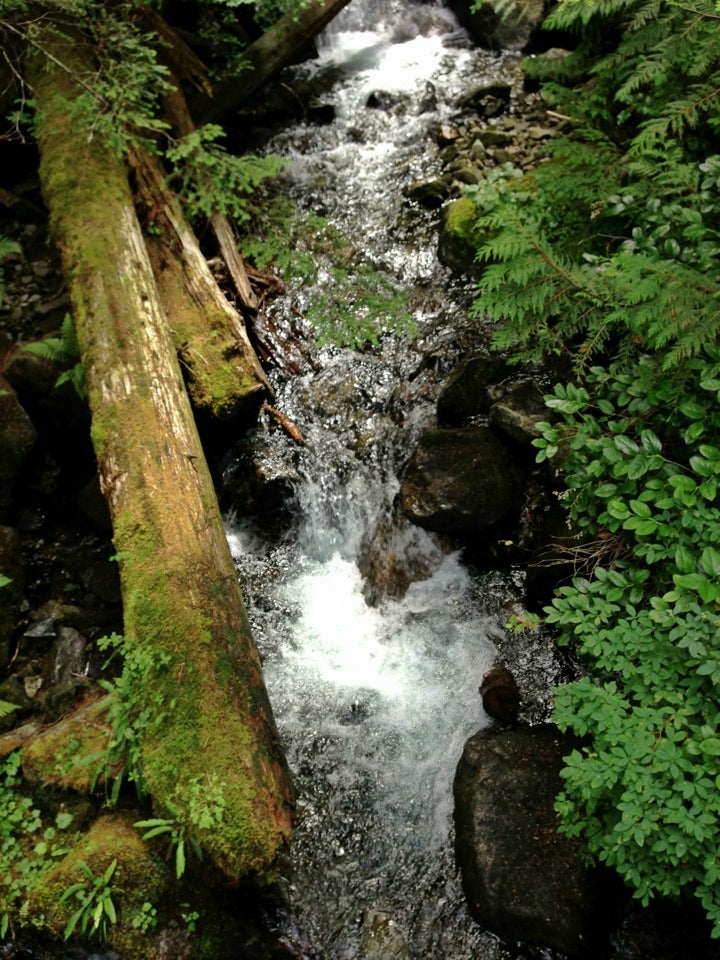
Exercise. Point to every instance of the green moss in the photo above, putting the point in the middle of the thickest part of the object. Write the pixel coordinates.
(54, 756)
(139, 878)
(460, 219)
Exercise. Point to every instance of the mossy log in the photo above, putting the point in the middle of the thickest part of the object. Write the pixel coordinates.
(211, 729)
(224, 377)
(275, 49)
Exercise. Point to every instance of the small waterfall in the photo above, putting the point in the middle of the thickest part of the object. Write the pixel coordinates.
(374, 703)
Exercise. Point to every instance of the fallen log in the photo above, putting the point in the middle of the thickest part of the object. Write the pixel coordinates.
(210, 730)
(275, 49)
(224, 377)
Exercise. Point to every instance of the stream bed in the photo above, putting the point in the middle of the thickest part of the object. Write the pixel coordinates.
(374, 702)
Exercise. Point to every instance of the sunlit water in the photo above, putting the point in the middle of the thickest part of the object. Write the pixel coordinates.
(373, 704)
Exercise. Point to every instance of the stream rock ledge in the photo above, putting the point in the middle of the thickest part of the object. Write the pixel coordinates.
(522, 879)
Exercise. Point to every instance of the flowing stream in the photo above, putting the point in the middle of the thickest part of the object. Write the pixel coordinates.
(374, 703)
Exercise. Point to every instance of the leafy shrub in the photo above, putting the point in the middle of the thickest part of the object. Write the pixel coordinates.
(607, 253)
(642, 467)
(28, 845)
(63, 350)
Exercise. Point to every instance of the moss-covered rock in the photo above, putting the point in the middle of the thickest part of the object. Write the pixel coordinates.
(54, 756)
(456, 246)
(139, 878)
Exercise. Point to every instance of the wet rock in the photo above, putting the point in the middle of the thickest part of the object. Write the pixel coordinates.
(457, 244)
(495, 137)
(465, 393)
(428, 103)
(17, 439)
(521, 877)
(500, 694)
(491, 93)
(61, 698)
(383, 100)
(383, 937)
(12, 567)
(429, 193)
(445, 134)
(519, 412)
(262, 477)
(460, 481)
(393, 557)
(68, 656)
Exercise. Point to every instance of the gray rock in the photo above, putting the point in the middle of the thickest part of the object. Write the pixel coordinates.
(519, 412)
(522, 878)
(465, 392)
(460, 481)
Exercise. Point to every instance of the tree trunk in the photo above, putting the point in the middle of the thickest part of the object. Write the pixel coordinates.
(277, 47)
(224, 377)
(211, 732)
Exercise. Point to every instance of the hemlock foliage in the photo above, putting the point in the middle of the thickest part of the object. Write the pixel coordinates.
(607, 254)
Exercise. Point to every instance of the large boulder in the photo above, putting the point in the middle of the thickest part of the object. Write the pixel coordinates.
(522, 878)
(460, 481)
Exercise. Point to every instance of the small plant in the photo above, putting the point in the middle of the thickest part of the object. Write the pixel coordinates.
(97, 909)
(205, 813)
(175, 833)
(6, 248)
(27, 845)
(146, 918)
(190, 917)
(122, 760)
(62, 350)
(210, 180)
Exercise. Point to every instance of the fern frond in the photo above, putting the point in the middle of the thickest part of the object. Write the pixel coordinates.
(6, 708)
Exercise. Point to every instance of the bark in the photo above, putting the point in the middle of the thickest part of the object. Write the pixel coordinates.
(184, 65)
(211, 730)
(224, 376)
(275, 49)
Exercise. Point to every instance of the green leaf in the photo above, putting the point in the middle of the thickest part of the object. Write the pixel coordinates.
(180, 859)
(710, 561)
(685, 560)
(626, 445)
(711, 747)
(650, 441)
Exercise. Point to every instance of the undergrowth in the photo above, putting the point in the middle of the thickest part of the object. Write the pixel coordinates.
(607, 254)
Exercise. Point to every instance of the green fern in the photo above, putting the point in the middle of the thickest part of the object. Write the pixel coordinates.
(6, 708)
(63, 350)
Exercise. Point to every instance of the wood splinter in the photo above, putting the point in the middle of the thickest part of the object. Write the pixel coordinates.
(287, 425)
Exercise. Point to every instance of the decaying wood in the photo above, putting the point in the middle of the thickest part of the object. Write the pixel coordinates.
(225, 378)
(212, 731)
(276, 48)
(283, 421)
(176, 110)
